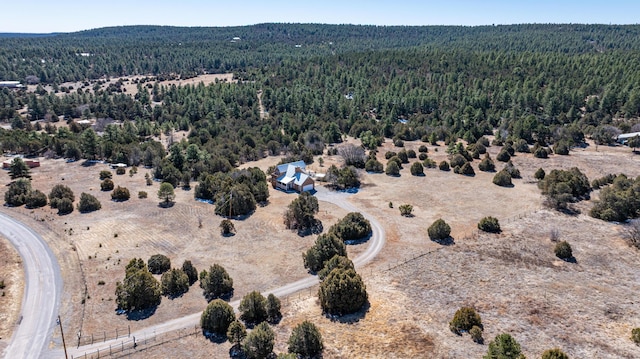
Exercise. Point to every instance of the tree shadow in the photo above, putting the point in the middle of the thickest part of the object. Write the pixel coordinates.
(353, 317)
(89, 163)
(227, 235)
(570, 260)
(176, 295)
(237, 352)
(214, 338)
(449, 241)
(141, 314)
(225, 296)
(165, 204)
(359, 240)
(315, 228)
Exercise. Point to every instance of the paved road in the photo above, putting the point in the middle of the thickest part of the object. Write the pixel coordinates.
(43, 286)
(375, 245)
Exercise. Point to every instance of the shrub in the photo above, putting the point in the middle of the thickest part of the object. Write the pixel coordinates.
(159, 264)
(502, 179)
(411, 154)
(306, 340)
(373, 165)
(487, 165)
(392, 169)
(458, 160)
(226, 227)
(563, 250)
(476, 334)
(512, 170)
(253, 308)
(121, 171)
(561, 148)
(464, 319)
(522, 146)
(389, 154)
(105, 174)
(422, 156)
(216, 282)
(236, 332)
(489, 224)
(405, 210)
(139, 290)
(120, 194)
(65, 206)
(635, 335)
(217, 317)
(174, 283)
(539, 175)
(417, 169)
(423, 149)
(107, 185)
(429, 163)
(273, 308)
(353, 226)
(336, 261)
(541, 152)
(142, 194)
(325, 247)
(259, 343)
(603, 181)
(403, 156)
(36, 199)
(59, 192)
(18, 192)
(88, 203)
(503, 347)
(342, 292)
(503, 156)
(300, 213)
(439, 230)
(398, 142)
(562, 187)
(619, 201)
(467, 170)
(554, 354)
(190, 271)
(443, 166)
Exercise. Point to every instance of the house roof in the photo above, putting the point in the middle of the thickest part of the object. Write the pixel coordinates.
(285, 167)
(628, 135)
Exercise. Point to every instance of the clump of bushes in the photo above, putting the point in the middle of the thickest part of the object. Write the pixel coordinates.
(489, 224)
(325, 247)
(539, 175)
(487, 165)
(373, 165)
(466, 170)
(105, 174)
(353, 226)
(503, 156)
(392, 169)
(511, 170)
(158, 264)
(405, 210)
(88, 203)
(121, 171)
(417, 169)
(554, 354)
(439, 230)
(120, 194)
(635, 335)
(502, 179)
(563, 187)
(563, 250)
(464, 319)
(444, 166)
(107, 185)
(603, 181)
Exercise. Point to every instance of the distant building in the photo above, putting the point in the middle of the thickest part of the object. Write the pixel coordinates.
(623, 138)
(11, 84)
(292, 176)
(29, 162)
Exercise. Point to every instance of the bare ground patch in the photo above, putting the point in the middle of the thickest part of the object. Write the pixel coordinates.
(12, 277)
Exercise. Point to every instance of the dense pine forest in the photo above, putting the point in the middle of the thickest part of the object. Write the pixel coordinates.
(543, 85)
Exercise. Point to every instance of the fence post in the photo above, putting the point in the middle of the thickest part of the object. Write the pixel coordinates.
(109, 349)
(129, 329)
(105, 336)
(116, 333)
(92, 338)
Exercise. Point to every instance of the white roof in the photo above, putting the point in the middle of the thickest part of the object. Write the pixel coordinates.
(628, 135)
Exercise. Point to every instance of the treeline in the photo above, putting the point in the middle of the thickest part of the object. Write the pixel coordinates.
(132, 50)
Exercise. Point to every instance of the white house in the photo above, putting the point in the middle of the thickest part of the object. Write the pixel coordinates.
(292, 176)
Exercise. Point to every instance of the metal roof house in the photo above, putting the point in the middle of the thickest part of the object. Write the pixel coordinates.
(292, 177)
(623, 138)
(11, 84)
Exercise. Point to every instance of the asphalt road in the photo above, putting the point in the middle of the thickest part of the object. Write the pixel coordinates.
(375, 245)
(43, 286)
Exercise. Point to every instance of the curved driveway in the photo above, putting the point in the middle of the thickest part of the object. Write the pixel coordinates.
(42, 289)
(375, 245)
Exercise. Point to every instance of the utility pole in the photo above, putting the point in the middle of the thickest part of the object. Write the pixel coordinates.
(64, 345)
(230, 202)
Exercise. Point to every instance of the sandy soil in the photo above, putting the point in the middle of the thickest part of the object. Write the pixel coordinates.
(11, 294)
(512, 279)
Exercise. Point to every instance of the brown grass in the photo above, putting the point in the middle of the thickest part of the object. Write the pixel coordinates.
(11, 296)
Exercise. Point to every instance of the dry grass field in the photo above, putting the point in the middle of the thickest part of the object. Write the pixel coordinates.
(512, 279)
(12, 277)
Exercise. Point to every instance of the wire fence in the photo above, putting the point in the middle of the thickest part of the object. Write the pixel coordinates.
(93, 338)
(132, 345)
